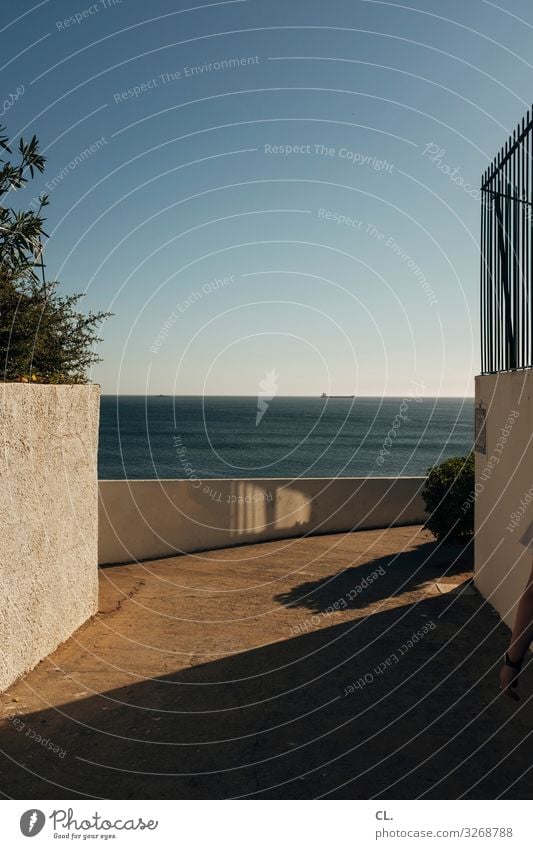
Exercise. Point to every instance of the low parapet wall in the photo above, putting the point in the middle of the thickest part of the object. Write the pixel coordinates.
(145, 519)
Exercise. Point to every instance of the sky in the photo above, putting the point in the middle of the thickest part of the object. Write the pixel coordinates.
(269, 191)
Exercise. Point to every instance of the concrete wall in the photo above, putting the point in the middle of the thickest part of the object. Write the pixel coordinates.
(153, 518)
(48, 519)
(504, 488)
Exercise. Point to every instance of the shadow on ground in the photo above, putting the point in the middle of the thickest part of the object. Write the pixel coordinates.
(365, 584)
(277, 722)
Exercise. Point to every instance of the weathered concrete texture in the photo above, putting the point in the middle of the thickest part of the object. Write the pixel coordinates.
(504, 489)
(142, 519)
(48, 519)
(232, 674)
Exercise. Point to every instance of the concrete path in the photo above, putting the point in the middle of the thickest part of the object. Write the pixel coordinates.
(282, 670)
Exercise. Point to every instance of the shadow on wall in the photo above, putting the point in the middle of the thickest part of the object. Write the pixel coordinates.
(309, 505)
(256, 508)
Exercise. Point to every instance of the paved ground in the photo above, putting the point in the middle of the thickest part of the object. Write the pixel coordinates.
(231, 674)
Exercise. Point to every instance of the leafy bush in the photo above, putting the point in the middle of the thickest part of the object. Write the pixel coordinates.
(448, 498)
(43, 337)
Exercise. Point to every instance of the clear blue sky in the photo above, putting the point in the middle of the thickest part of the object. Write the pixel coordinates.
(348, 265)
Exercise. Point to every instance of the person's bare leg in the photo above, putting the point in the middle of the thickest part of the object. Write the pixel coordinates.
(520, 638)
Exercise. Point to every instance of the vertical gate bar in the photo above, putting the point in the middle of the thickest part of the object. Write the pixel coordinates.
(508, 281)
(503, 217)
(504, 271)
(522, 246)
(525, 258)
(519, 205)
(485, 329)
(528, 291)
(482, 258)
(491, 281)
(525, 175)
(514, 204)
(496, 284)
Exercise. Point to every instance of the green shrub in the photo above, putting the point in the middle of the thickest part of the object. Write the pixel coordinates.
(448, 497)
(43, 336)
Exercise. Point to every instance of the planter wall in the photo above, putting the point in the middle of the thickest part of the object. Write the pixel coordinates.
(48, 519)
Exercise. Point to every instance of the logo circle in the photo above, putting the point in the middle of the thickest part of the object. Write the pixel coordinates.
(32, 822)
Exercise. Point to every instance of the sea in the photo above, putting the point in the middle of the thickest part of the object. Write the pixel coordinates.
(245, 437)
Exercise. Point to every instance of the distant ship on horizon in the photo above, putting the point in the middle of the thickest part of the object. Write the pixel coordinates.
(325, 395)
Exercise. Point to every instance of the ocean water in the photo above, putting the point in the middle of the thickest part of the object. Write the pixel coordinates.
(210, 437)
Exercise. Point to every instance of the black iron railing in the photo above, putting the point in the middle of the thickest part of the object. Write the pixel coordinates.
(506, 255)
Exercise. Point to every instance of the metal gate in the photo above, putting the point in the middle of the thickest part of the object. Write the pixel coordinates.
(506, 260)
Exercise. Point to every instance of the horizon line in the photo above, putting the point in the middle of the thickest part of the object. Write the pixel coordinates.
(255, 395)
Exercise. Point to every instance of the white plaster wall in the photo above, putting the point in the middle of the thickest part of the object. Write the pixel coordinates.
(504, 476)
(48, 519)
(153, 518)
